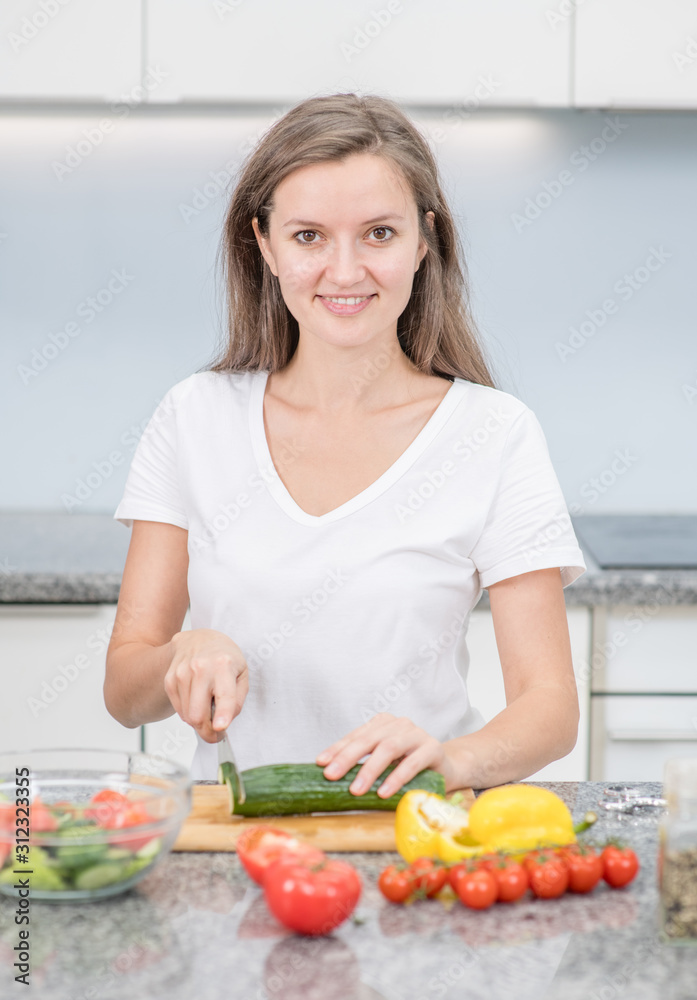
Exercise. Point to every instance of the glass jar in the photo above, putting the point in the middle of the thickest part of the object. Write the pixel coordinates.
(677, 856)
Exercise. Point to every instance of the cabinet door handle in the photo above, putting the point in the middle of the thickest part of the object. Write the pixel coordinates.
(657, 735)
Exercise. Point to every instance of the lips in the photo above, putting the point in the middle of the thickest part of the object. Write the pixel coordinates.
(343, 309)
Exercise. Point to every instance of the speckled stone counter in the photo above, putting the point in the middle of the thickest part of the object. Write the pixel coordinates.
(197, 928)
(60, 558)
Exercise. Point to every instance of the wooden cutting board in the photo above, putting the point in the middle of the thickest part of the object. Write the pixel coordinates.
(210, 827)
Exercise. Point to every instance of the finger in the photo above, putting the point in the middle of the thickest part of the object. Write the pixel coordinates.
(403, 737)
(368, 727)
(178, 688)
(425, 755)
(357, 744)
(202, 691)
(390, 729)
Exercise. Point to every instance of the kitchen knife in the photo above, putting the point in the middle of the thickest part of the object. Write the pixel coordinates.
(228, 772)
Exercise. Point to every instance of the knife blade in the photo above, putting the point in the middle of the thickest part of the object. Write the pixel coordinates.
(228, 771)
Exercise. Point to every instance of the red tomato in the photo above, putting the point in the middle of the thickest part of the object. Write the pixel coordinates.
(511, 879)
(132, 814)
(41, 819)
(548, 874)
(309, 897)
(428, 876)
(260, 845)
(620, 865)
(105, 805)
(585, 869)
(395, 883)
(476, 888)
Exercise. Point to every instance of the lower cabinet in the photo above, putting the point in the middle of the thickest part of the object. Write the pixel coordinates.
(53, 658)
(53, 661)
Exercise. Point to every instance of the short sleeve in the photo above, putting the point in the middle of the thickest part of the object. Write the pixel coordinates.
(152, 491)
(528, 525)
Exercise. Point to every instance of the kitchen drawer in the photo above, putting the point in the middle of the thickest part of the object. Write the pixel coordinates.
(632, 736)
(645, 648)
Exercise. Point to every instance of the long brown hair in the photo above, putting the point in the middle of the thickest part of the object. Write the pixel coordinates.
(435, 330)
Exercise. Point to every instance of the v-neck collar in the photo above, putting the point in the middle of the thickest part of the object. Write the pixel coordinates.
(277, 487)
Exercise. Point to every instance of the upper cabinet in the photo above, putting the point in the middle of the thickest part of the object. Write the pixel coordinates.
(462, 53)
(60, 51)
(636, 54)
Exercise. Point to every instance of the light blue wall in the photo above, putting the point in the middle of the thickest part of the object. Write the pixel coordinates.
(622, 391)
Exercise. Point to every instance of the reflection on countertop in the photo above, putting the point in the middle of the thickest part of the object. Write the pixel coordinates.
(197, 928)
(61, 558)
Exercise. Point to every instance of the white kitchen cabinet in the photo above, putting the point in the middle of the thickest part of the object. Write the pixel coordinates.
(53, 658)
(636, 54)
(644, 690)
(461, 53)
(486, 690)
(56, 50)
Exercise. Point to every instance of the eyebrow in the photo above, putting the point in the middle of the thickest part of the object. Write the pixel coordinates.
(368, 222)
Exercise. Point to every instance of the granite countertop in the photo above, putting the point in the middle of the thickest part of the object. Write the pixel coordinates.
(197, 928)
(61, 558)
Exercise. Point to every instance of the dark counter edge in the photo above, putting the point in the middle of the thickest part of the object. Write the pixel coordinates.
(607, 587)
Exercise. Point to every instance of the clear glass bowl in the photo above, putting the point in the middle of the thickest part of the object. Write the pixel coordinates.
(90, 849)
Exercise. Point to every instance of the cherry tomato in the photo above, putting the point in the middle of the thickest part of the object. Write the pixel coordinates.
(311, 897)
(585, 869)
(41, 819)
(260, 845)
(476, 888)
(428, 876)
(620, 866)
(132, 814)
(105, 805)
(548, 874)
(395, 883)
(511, 879)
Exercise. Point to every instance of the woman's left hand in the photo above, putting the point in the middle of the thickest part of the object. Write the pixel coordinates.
(386, 738)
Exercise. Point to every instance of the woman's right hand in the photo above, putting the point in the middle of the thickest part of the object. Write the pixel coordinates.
(206, 664)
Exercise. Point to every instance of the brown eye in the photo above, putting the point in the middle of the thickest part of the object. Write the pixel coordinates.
(384, 230)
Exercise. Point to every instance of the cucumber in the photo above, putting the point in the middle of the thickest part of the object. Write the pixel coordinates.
(290, 789)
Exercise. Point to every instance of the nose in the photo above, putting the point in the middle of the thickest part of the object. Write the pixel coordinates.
(344, 264)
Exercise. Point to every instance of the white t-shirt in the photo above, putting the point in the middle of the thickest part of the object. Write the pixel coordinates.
(363, 609)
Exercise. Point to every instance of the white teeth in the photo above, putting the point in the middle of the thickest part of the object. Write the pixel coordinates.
(348, 302)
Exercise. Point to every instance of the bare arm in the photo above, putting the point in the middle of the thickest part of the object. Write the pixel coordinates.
(152, 603)
(540, 721)
(152, 668)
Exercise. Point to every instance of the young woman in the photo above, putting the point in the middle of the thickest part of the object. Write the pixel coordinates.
(333, 494)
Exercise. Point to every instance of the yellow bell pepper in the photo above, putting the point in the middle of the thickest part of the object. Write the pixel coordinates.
(428, 826)
(520, 817)
(508, 818)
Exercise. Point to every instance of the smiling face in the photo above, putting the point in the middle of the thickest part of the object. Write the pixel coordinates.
(344, 229)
